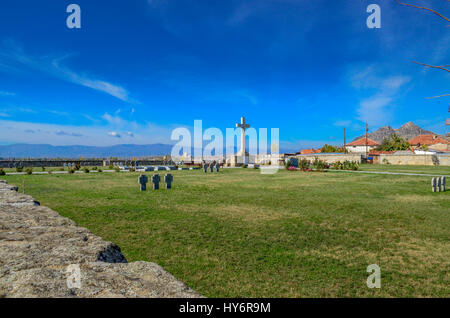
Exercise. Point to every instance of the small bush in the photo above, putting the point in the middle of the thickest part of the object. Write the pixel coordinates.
(62, 169)
(71, 170)
(111, 167)
(319, 164)
(86, 170)
(303, 164)
(94, 168)
(117, 169)
(338, 165)
(77, 166)
(43, 168)
(29, 171)
(100, 170)
(287, 165)
(132, 169)
(19, 169)
(2, 172)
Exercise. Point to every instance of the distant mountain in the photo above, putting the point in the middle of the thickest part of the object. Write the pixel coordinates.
(49, 151)
(407, 131)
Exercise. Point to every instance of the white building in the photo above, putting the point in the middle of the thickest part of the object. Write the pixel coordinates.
(361, 145)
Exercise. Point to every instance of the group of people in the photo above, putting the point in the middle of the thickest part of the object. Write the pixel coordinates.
(211, 165)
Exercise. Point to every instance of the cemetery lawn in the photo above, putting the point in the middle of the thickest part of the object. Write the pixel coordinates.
(293, 234)
(438, 170)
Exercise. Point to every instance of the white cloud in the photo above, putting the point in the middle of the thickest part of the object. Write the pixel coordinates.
(342, 123)
(381, 91)
(4, 93)
(55, 134)
(14, 54)
(114, 134)
(374, 110)
(60, 132)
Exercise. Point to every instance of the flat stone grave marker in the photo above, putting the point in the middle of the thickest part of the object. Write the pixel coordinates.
(143, 179)
(168, 178)
(155, 180)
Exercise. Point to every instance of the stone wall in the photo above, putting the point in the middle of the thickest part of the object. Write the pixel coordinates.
(331, 158)
(60, 163)
(37, 245)
(414, 159)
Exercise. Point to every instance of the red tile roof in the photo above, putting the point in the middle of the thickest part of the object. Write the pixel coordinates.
(428, 140)
(362, 142)
(310, 151)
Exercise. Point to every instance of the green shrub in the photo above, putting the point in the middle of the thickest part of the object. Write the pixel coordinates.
(319, 164)
(100, 170)
(19, 169)
(29, 171)
(348, 165)
(111, 167)
(117, 169)
(94, 168)
(2, 172)
(43, 168)
(71, 170)
(303, 164)
(132, 170)
(62, 169)
(287, 164)
(338, 165)
(86, 170)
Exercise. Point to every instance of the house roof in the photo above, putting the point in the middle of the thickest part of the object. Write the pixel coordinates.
(362, 142)
(428, 140)
(310, 151)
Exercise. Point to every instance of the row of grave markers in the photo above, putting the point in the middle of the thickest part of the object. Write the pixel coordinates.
(438, 184)
(211, 167)
(143, 179)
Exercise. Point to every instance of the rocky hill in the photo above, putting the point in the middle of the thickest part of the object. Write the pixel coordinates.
(407, 131)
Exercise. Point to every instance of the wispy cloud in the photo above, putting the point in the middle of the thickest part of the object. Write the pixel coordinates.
(56, 134)
(60, 132)
(376, 108)
(12, 53)
(4, 93)
(114, 134)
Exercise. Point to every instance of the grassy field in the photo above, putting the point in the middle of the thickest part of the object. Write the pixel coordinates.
(440, 170)
(293, 234)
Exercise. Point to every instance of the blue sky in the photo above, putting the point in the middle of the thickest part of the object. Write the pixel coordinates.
(138, 69)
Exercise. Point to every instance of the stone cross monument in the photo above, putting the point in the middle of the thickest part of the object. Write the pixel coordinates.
(242, 152)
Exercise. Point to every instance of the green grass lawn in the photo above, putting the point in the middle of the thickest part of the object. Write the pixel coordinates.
(440, 170)
(293, 234)
(39, 169)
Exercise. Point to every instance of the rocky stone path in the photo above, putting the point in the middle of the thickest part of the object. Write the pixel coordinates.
(38, 246)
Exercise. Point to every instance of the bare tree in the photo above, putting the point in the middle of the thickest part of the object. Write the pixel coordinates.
(441, 67)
